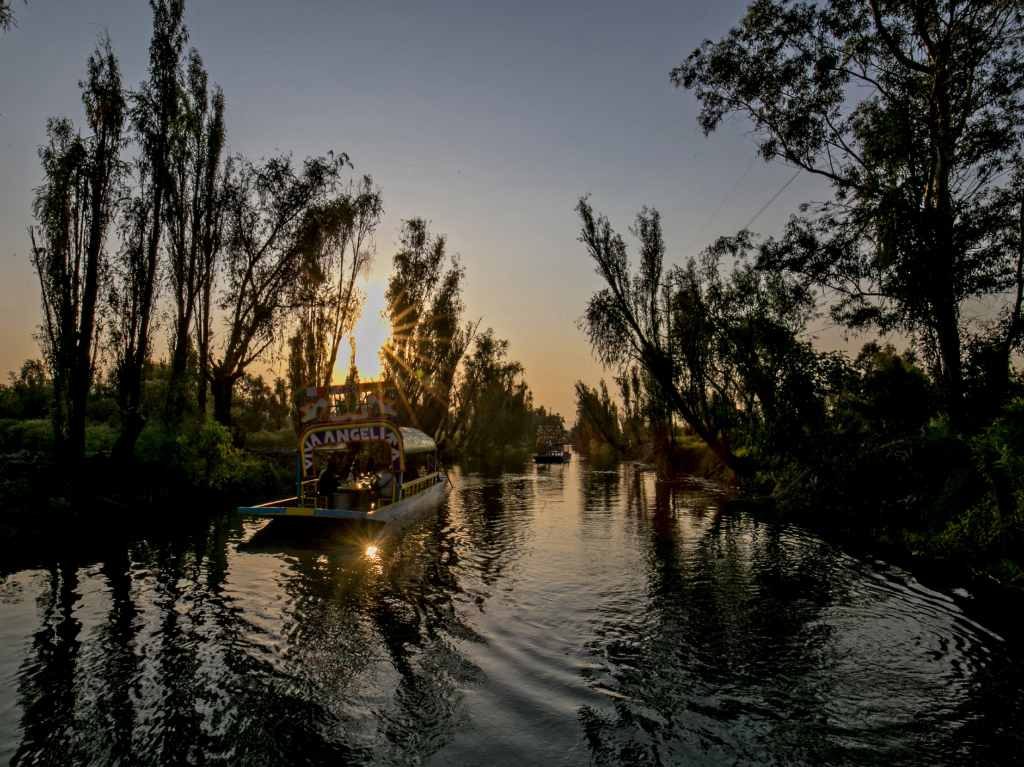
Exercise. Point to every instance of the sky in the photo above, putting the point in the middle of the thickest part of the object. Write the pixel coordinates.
(488, 119)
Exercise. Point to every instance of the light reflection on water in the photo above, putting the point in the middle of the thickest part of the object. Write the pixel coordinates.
(556, 615)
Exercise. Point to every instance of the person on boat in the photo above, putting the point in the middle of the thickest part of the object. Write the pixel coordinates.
(348, 469)
(327, 483)
(384, 483)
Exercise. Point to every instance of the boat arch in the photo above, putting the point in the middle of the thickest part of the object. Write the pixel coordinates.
(326, 435)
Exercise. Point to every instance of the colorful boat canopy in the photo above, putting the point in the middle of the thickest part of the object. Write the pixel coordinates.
(416, 441)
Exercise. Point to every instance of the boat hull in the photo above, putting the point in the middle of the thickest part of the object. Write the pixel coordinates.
(395, 515)
(543, 458)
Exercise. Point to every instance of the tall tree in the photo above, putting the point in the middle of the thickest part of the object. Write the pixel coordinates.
(7, 19)
(428, 339)
(193, 217)
(155, 113)
(912, 110)
(73, 208)
(723, 347)
(493, 400)
(338, 250)
(597, 420)
(271, 221)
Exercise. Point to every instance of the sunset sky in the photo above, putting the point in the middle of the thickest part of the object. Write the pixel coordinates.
(489, 120)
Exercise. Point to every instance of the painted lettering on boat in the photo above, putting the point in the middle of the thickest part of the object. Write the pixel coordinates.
(346, 435)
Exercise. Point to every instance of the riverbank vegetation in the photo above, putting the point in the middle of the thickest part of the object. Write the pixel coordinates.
(913, 113)
(147, 226)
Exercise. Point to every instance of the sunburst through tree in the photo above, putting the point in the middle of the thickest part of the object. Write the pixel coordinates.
(428, 337)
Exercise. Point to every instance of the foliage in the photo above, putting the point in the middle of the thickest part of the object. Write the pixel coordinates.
(493, 403)
(73, 208)
(428, 340)
(277, 440)
(156, 108)
(912, 111)
(270, 215)
(597, 431)
(260, 408)
(194, 213)
(992, 528)
(35, 435)
(336, 251)
(29, 393)
(32, 434)
(202, 457)
(719, 338)
(7, 19)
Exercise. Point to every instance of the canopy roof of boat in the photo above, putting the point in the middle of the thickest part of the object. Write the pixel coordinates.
(415, 441)
(335, 436)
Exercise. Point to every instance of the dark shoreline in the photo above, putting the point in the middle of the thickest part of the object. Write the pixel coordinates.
(64, 529)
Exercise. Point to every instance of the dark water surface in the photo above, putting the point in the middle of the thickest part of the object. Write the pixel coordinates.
(556, 616)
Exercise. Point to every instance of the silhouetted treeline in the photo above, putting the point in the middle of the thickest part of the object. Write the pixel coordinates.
(454, 380)
(147, 225)
(913, 113)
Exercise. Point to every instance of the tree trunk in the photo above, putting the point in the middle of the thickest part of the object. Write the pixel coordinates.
(223, 389)
(203, 341)
(176, 383)
(947, 332)
(660, 371)
(132, 421)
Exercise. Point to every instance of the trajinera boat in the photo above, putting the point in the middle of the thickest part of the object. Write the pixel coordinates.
(355, 462)
(552, 445)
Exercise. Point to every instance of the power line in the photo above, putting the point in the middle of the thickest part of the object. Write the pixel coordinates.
(772, 199)
(721, 204)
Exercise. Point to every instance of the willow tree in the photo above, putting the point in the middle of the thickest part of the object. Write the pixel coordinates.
(155, 112)
(428, 338)
(722, 341)
(7, 18)
(597, 420)
(494, 403)
(337, 250)
(912, 111)
(272, 215)
(194, 213)
(73, 209)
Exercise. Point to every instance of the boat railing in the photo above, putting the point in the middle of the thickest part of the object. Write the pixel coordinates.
(308, 491)
(418, 485)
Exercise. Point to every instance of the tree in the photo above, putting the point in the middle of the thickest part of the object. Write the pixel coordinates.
(428, 340)
(29, 393)
(260, 406)
(493, 399)
(912, 110)
(271, 220)
(194, 214)
(597, 420)
(7, 15)
(722, 346)
(337, 252)
(73, 208)
(155, 112)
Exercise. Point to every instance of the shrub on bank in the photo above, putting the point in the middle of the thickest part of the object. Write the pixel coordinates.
(202, 456)
(991, 529)
(279, 439)
(34, 435)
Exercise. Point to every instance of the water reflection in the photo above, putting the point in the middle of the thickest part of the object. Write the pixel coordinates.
(759, 644)
(553, 615)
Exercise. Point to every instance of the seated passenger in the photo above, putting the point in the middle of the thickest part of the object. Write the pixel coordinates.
(384, 484)
(327, 483)
(348, 469)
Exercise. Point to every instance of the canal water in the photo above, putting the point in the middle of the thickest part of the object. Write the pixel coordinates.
(556, 616)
